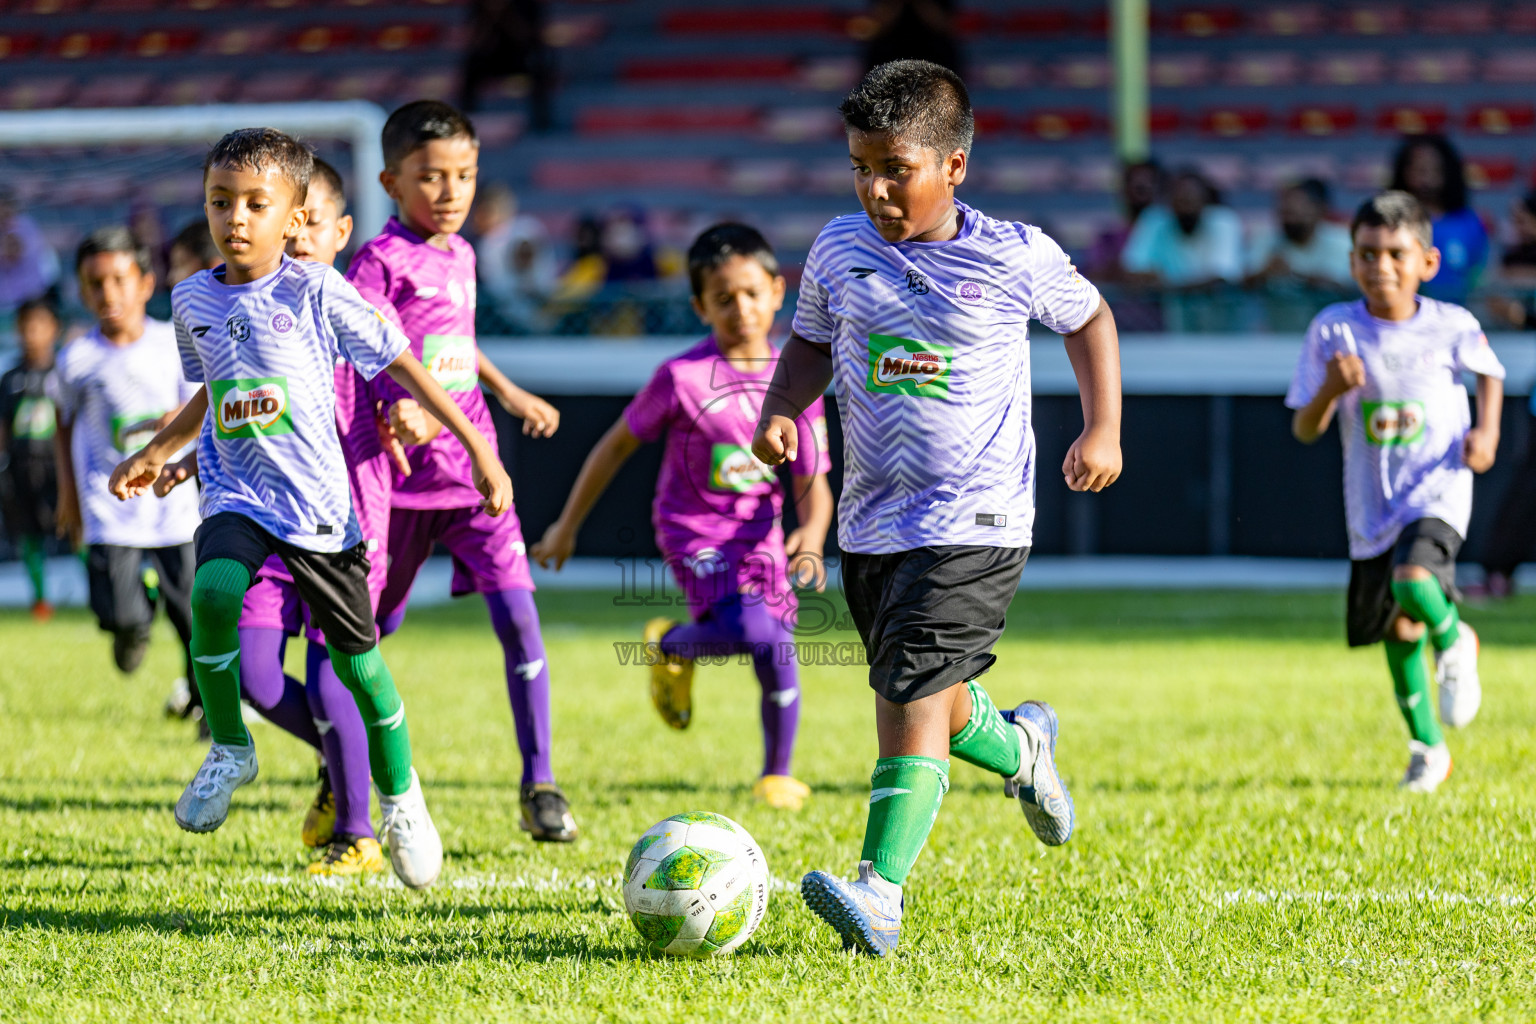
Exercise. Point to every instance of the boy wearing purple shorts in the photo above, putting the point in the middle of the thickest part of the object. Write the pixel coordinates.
(717, 508)
(421, 268)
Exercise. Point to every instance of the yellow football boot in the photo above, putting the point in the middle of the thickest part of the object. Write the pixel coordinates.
(320, 819)
(349, 856)
(671, 677)
(782, 791)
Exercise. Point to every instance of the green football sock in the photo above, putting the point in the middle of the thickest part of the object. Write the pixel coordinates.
(1410, 680)
(904, 799)
(32, 557)
(389, 742)
(1425, 602)
(986, 740)
(218, 594)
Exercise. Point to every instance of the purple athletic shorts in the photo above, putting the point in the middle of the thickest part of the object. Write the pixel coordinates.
(488, 551)
(708, 573)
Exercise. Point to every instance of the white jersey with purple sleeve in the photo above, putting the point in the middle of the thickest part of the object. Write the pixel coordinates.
(267, 352)
(1402, 430)
(930, 354)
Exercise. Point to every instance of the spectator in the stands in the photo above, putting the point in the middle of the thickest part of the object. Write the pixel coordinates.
(1514, 302)
(517, 271)
(190, 251)
(1306, 245)
(1192, 241)
(1429, 167)
(28, 265)
(909, 30)
(1141, 185)
(506, 39)
(628, 252)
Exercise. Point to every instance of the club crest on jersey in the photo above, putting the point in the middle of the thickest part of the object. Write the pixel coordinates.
(1393, 423)
(282, 321)
(972, 292)
(734, 468)
(247, 408)
(906, 367)
(239, 327)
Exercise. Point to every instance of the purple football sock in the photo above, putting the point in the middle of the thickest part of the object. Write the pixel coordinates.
(735, 626)
(516, 622)
(343, 738)
(390, 623)
(279, 697)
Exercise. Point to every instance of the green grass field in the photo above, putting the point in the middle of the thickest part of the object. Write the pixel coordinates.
(1241, 852)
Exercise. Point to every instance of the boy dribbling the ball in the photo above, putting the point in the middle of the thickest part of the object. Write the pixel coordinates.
(917, 310)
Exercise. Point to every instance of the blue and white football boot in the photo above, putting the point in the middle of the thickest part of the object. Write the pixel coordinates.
(865, 913)
(1044, 797)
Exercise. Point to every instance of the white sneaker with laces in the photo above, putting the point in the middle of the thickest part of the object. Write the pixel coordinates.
(204, 804)
(1427, 767)
(1461, 692)
(415, 849)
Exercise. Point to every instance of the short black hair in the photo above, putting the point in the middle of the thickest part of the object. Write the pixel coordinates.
(255, 149)
(37, 304)
(1315, 189)
(114, 238)
(332, 178)
(198, 240)
(1453, 193)
(915, 99)
(416, 124)
(716, 245)
(1394, 209)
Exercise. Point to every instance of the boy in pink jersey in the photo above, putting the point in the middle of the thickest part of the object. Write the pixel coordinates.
(717, 508)
(420, 267)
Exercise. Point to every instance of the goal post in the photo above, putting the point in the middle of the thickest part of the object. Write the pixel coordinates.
(357, 121)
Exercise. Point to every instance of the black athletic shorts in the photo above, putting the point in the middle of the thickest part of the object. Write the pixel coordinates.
(118, 596)
(1428, 543)
(929, 617)
(333, 584)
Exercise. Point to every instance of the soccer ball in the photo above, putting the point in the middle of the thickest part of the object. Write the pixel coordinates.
(696, 885)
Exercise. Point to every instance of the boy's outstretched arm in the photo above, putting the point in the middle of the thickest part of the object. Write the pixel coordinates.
(1345, 373)
(597, 472)
(1481, 445)
(136, 474)
(805, 547)
(801, 376)
(1093, 461)
(491, 478)
(540, 419)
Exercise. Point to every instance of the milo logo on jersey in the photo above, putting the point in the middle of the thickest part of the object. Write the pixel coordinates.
(734, 468)
(1388, 423)
(250, 408)
(35, 419)
(451, 360)
(132, 431)
(902, 366)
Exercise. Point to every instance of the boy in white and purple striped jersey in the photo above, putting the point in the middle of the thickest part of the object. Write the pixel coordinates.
(917, 310)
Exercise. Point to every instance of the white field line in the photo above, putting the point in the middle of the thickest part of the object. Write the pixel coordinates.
(553, 882)
(1283, 896)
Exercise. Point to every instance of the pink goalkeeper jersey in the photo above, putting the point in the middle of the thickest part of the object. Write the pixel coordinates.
(711, 487)
(433, 293)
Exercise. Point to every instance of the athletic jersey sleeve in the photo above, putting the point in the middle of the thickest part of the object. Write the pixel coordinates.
(1473, 354)
(813, 312)
(371, 275)
(813, 456)
(191, 362)
(1061, 299)
(367, 338)
(1311, 368)
(63, 387)
(650, 412)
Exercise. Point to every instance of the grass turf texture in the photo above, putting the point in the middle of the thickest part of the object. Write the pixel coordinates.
(1241, 853)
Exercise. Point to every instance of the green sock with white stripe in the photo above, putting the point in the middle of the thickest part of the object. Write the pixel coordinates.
(905, 794)
(218, 594)
(1410, 681)
(986, 740)
(389, 742)
(1425, 602)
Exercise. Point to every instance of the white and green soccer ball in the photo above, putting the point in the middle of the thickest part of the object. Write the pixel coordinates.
(696, 885)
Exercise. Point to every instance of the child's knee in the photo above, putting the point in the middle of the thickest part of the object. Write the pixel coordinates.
(1405, 631)
(1411, 574)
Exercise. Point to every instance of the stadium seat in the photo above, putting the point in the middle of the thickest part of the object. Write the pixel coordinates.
(574, 30)
(1485, 172)
(1164, 121)
(1081, 72)
(1262, 68)
(990, 121)
(497, 128)
(1434, 67)
(1234, 122)
(1322, 120)
(239, 42)
(321, 39)
(15, 45)
(1355, 67)
(1045, 22)
(668, 120)
(1373, 19)
(279, 87)
(755, 20)
(802, 124)
(1227, 171)
(397, 37)
(83, 45)
(46, 8)
(191, 90)
(1465, 17)
(1179, 70)
(1276, 170)
(1510, 67)
(114, 91)
(1288, 20)
(831, 74)
(1028, 174)
(762, 177)
(1410, 119)
(685, 69)
(1057, 125)
(1005, 74)
(379, 85)
(124, 6)
(432, 84)
(1500, 118)
(37, 93)
(682, 175)
(161, 42)
(1200, 22)
(1519, 19)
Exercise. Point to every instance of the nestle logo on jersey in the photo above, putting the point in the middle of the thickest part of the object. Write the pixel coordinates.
(906, 367)
(250, 408)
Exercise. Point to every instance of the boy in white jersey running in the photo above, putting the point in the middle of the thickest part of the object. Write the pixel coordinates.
(263, 333)
(917, 310)
(114, 388)
(1390, 365)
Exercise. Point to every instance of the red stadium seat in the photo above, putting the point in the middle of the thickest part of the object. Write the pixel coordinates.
(124, 6)
(1082, 72)
(1179, 70)
(46, 7)
(1510, 66)
(1263, 68)
(1057, 125)
(115, 91)
(670, 120)
(279, 87)
(206, 5)
(1500, 118)
(37, 93)
(1373, 19)
(1490, 171)
(1465, 17)
(990, 121)
(1288, 20)
(193, 90)
(161, 42)
(1201, 22)
(967, 23)
(15, 45)
(1047, 22)
(83, 45)
(752, 20)
(687, 174)
(318, 39)
(397, 37)
(1322, 120)
(686, 69)
(1410, 119)
(1234, 122)
(1165, 120)
(238, 42)
(1434, 67)
(376, 84)
(1519, 19)
(1355, 67)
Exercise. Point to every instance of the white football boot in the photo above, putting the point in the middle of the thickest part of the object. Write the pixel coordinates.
(1461, 692)
(415, 849)
(204, 804)
(1427, 767)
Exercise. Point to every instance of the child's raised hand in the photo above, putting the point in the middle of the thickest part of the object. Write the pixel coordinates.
(175, 473)
(1479, 448)
(1093, 461)
(557, 544)
(807, 567)
(776, 441)
(1345, 373)
(135, 475)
